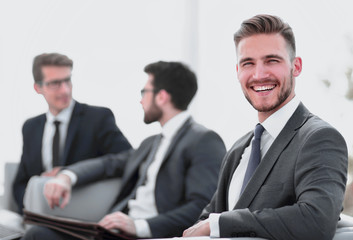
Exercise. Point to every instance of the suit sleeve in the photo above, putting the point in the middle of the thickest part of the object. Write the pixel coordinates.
(107, 166)
(319, 179)
(205, 156)
(110, 138)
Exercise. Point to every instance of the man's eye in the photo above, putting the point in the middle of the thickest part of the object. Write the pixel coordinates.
(54, 83)
(273, 61)
(247, 64)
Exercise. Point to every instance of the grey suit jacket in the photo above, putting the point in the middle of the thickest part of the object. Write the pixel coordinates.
(297, 190)
(186, 181)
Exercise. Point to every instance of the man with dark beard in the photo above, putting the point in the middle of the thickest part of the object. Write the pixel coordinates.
(168, 180)
(289, 181)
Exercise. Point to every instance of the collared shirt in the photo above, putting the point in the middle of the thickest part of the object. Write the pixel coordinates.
(273, 126)
(144, 204)
(49, 130)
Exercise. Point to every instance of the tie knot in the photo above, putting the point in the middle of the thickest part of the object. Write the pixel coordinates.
(57, 123)
(259, 129)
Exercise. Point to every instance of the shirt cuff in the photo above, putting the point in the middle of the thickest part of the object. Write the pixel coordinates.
(142, 228)
(214, 225)
(71, 175)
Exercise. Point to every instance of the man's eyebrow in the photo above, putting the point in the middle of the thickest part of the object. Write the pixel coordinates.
(273, 56)
(245, 60)
(62, 79)
(265, 57)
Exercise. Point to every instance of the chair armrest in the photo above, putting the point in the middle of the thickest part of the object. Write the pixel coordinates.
(7, 201)
(89, 203)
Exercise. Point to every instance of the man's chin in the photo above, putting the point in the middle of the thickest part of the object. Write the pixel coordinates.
(64, 105)
(147, 121)
(265, 108)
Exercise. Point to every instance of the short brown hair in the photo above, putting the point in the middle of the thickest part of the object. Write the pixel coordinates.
(48, 59)
(266, 24)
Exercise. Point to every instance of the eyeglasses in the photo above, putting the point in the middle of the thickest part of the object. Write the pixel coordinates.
(143, 91)
(56, 84)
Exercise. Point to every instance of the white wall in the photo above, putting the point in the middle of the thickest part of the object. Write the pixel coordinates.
(111, 41)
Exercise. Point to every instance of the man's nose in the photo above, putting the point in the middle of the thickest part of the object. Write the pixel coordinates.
(260, 72)
(65, 87)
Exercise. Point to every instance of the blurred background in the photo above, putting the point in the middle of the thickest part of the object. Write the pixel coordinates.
(110, 42)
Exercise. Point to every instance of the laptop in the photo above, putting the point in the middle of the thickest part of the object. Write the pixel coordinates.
(7, 233)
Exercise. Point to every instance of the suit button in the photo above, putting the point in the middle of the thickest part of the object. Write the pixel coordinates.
(252, 234)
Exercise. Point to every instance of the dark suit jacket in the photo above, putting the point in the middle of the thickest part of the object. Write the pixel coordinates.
(92, 132)
(296, 191)
(185, 182)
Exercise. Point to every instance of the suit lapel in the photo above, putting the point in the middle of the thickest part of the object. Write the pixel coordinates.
(238, 152)
(135, 163)
(74, 124)
(233, 161)
(37, 141)
(180, 133)
(290, 129)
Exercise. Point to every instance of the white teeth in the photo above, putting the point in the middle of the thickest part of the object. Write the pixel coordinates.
(263, 88)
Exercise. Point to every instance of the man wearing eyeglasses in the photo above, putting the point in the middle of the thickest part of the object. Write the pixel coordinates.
(69, 132)
(166, 181)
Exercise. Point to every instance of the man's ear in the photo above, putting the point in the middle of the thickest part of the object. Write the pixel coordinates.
(162, 97)
(297, 66)
(37, 88)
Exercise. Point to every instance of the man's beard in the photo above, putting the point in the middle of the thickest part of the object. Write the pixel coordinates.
(154, 114)
(283, 95)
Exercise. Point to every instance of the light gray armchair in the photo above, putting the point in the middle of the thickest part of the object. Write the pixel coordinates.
(89, 203)
(7, 200)
(8, 212)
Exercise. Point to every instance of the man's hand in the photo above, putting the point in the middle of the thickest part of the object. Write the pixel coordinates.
(200, 229)
(121, 221)
(57, 188)
(51, 173)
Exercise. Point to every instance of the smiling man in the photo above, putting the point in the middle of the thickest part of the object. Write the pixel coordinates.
(69, 132)
(285, 180)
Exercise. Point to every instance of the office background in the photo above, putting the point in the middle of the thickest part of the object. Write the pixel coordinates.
(110, 42)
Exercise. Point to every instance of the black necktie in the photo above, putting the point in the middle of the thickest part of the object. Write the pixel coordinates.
(255, 155)
(143, 173)
(56, 144)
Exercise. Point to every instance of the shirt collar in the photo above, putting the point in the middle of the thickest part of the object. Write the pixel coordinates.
(173, 125)
(64, 116)
(275, 123)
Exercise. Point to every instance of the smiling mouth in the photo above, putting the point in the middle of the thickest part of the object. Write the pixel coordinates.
(264, 88)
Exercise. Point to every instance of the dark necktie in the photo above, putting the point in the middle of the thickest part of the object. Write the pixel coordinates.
(255, 155)
(56, 144)
(143, 173)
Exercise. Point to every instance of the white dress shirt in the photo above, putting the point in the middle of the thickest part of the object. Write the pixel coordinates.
(144, 204)
(49, 130)
(273, 126)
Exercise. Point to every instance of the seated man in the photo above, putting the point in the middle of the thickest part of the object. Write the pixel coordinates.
(168, 180)
(69, 132)
(289, 183)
